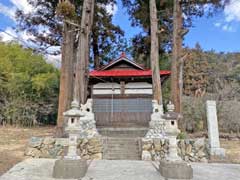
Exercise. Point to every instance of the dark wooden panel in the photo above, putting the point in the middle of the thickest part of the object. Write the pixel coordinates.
(122, 112)
(121, 119)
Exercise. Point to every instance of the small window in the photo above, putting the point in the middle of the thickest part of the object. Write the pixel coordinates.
(172, 123)
(72, 120)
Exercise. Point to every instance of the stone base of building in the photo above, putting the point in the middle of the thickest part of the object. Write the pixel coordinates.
(175, 170)
(70, 169)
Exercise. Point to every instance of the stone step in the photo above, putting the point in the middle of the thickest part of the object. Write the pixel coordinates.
(123, 132)
(127, 143)
(121, 157)
(121, 148)
(120, 139)
(119, 151)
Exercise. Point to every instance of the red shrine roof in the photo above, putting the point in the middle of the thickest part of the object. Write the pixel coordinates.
(125, 73)
(124, 67)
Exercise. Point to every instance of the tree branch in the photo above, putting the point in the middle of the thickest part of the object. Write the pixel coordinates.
(72, 23)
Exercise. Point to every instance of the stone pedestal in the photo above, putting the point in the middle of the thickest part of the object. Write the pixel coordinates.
(72, 148)
(213, 133)
(70, 169)
(173, 153)
(175, 170)
(157, 123)
(146, 156)
(87, 123)
(88, 126)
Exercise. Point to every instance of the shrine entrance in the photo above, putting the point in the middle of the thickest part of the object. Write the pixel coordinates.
(122, 112)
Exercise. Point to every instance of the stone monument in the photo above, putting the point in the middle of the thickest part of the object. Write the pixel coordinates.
(213, 134)
(72, 166)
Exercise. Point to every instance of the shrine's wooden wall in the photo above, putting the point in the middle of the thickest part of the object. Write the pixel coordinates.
(122, 112)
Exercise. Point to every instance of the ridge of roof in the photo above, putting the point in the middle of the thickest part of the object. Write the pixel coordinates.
(123, 57)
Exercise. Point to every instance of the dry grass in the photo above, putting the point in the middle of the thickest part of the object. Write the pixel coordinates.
(232, 150)
(13, 142)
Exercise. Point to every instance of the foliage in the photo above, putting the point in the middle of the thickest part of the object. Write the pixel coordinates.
(219, 74)
(45, 25)
(139, 16)
(195, 73)
(66, 9)
(194, 114)
(28, 87)
(182, 135)
(214, 73)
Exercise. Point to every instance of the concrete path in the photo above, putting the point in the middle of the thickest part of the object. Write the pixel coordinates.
(41, 169)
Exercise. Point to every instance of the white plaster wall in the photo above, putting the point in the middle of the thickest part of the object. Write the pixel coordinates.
(106, 88)
(115, 88)
(138, 88)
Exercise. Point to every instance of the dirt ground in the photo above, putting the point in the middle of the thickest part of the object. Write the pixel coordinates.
(13, 142)
(232, 148)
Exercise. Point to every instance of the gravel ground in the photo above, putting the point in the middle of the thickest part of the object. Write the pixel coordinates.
(41, 169)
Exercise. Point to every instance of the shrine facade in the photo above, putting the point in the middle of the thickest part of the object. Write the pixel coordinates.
(122, 93)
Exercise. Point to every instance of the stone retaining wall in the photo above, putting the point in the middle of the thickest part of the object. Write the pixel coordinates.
(194, 150)
(49, 147)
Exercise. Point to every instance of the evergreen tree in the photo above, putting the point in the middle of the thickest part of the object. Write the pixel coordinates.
(196, 71)
(139, 10)
(46, 26)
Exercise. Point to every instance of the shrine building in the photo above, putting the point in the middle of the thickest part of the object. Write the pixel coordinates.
(122, 94)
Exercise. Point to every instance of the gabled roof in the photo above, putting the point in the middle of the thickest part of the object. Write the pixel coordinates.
(136, 71)
(123, 58)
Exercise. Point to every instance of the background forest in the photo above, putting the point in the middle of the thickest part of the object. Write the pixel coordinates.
(28, 87)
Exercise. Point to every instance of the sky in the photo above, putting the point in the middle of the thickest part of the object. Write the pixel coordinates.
(220, 33)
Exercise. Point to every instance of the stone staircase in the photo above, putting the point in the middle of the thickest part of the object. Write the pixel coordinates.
(121, 148)
(122, 143)
(133, 132)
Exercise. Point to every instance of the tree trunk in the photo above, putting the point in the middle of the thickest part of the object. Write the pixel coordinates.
(66, 78)
(176, 54)
(82, 65)
(157, 92)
